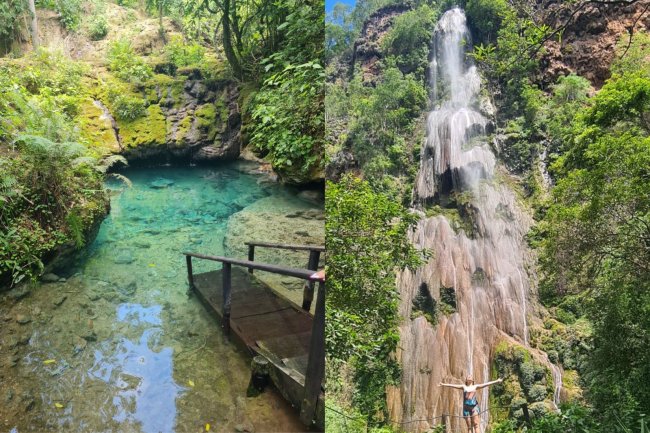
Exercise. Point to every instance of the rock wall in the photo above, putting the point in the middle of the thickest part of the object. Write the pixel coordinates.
(186, 117)
(367, 48)
(587, 46)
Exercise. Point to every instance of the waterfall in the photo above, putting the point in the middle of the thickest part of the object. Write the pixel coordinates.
(485, 267)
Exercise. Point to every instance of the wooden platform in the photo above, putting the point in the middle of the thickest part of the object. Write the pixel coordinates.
(265, 324)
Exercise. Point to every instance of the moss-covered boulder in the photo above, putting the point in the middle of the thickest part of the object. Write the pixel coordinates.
(526, 381)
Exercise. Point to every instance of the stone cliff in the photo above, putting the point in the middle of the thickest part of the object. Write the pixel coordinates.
(591, 33)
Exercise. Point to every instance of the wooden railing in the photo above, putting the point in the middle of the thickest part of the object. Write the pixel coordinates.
(312, 263)
(315, 373)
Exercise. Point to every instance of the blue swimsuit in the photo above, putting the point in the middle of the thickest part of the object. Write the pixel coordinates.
(470, 405)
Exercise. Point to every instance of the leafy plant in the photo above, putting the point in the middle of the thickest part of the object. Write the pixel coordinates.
(98, 28)
(287, 112)
(366, 236)
(180, 53)
(126, 64)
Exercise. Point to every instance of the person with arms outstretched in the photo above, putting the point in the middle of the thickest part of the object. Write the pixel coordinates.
(470, 404)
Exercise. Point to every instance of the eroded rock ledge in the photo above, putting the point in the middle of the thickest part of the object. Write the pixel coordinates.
(186, 118)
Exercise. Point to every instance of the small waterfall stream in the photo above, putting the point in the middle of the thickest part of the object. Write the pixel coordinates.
(485, 265)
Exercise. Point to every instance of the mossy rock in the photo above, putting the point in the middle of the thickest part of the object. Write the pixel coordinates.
(525, 379)
(149, 131)
(97, 129)
(183, 129)
(571, 390)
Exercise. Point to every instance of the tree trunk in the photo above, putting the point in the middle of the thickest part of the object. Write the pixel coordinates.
(231, 55)
(34, 26)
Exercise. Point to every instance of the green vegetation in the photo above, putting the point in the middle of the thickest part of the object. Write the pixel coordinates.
(287, 111)
(378, 120)
(382, 124)
(49, 197)
(126, 65)
(366, 243)
(595, 233)
(98, 28)
(408, 39)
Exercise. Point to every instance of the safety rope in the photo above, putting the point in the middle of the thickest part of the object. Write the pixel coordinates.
(430, 420)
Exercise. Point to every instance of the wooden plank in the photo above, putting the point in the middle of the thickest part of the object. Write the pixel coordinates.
(276, 324)
(249, 296)
(265, 323)
(287, 346)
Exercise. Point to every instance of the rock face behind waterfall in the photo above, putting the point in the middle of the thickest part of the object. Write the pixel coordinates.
(479, 271)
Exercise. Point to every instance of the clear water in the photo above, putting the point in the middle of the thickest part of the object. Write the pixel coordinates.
(128, 350)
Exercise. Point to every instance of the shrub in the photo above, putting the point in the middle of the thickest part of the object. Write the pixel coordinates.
(180, 53)
(408, 39)
(367, 242)
(126, 64)
(98, 28)
(46, 200)
(70, 13)
(485, 18)
(126, 107)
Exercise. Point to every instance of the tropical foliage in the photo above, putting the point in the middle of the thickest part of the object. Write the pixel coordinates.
(366, 236)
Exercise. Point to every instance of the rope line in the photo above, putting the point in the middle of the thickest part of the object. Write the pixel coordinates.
(416, 420)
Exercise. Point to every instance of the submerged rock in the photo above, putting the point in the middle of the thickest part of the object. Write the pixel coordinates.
(124, 257)
(88, 335)
(59, 300)
(23, 319)
(19, 293)
(50, 278)
(127, 288)
(161, 183)
(79, 345)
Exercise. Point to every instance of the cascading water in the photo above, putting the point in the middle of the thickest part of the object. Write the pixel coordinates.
(486, 267)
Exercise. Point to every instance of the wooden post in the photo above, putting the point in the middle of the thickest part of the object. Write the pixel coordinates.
(227, 297)
(190, 276)
(259, 376)
(444, 422)
(308, 291)
(251, 256)
(524, 407)
(316, 362)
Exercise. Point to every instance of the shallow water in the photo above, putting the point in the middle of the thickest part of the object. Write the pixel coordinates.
(119, 346)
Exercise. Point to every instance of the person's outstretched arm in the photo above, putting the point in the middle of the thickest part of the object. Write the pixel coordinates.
(451, 385)
(483, 385)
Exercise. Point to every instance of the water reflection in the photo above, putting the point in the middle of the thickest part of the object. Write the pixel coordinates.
(146, 391)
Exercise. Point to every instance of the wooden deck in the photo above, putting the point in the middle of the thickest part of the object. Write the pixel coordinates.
(263, 323)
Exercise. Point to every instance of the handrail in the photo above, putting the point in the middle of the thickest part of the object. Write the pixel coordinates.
(318, 248)
(304, 274)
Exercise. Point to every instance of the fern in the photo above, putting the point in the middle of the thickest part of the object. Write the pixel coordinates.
(106, 163)
(42, 148)
(123, 178)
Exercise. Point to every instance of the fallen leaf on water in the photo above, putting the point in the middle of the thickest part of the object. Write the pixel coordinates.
(49, 361)
(58, 405)
(207, 427)
(190, 383)
(152, 265)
